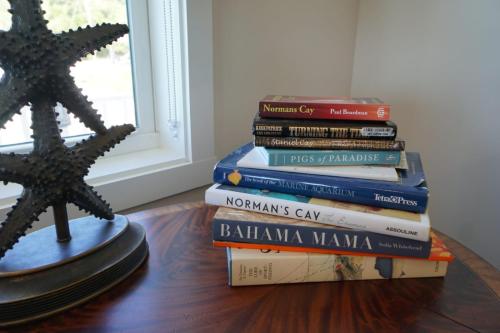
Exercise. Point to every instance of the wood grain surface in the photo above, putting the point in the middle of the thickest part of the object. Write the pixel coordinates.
(183, 288)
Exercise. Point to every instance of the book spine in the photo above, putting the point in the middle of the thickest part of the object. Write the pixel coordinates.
(299, 129)
(340, 191)
(313, 238)
(319, 214)
(372, 112)
(314, 143)
(260, 267)
(282, 157)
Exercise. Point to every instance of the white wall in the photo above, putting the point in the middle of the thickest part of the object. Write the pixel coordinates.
(436, 61)
(277, 47)
(438, 64)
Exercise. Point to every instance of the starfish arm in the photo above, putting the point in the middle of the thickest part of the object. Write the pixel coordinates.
(46, 138)
(85, 198)
(11, 45)
(87, 151)
(27, 14)
(87, 40)
(71, 97)
(3, 41)
(14, 168)
(13, 96)
(29, 206)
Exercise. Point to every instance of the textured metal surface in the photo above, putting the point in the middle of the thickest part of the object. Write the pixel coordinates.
(45, 292)
(37, 72)
(40, 250)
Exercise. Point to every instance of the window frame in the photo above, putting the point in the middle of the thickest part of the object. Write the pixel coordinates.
(145, 136)
(167, 165)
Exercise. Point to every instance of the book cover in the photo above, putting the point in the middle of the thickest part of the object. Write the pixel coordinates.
(244, 229)
(359, 217)
(318, 143)
(254, 160)
(409, 192)
(302, 107)
(259, 267)
(324, 129)
(307, 157)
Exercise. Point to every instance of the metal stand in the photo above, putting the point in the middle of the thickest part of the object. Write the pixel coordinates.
(40, 277)
(61, 222)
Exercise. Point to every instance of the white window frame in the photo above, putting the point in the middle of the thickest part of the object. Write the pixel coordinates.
(152, 163)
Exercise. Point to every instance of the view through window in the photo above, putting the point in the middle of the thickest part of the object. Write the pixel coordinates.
(106, 77)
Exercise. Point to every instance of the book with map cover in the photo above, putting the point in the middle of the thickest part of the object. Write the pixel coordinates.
(244, 229)
(259, 267)
(302, 107)
(359, 217)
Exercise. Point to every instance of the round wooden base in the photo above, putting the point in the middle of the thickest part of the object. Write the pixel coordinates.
(40, 276)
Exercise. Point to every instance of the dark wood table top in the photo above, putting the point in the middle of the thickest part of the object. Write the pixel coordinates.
(183, 288)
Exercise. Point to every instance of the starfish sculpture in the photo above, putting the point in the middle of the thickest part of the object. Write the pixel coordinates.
(36, 64)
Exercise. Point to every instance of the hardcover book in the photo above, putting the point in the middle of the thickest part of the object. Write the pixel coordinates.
(254, 160)
(300, 107)
(359, 217)
(307, 157)
(258, 267)
(409, 192)
(317, 143)
(244, 229)
(324, 129)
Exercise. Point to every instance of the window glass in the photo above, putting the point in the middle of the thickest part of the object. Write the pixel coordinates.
(106, 77)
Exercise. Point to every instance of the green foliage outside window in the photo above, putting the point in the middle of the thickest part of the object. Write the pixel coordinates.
(64, 15)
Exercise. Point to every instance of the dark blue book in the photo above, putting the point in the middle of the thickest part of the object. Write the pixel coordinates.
(237, 228)
(409, 193)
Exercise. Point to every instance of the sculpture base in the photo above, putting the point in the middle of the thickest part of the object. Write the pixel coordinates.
(41, 276)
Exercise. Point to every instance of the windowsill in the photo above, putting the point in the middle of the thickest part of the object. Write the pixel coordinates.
(113, 169)
(122, 167)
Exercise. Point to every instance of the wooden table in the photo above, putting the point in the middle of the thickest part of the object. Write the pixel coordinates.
(183, 288)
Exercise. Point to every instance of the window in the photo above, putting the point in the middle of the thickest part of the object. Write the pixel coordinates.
(162, 83)
(106, 77)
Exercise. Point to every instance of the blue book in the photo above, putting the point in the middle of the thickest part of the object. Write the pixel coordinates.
(409, 193)
(238, 228)
(306, 157)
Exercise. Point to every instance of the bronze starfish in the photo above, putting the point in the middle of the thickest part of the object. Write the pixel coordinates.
(36, 64)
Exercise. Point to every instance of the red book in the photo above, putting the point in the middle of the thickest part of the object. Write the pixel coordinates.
(298, 107)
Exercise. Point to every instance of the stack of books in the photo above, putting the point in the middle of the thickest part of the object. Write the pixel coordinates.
(326, 192)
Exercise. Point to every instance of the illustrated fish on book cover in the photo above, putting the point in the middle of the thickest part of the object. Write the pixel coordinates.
(384, 267)
(348, 268)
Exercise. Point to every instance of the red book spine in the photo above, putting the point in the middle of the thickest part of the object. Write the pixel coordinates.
(377, 112)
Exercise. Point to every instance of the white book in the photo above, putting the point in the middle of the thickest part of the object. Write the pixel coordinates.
(255, 160)
(343, 214)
